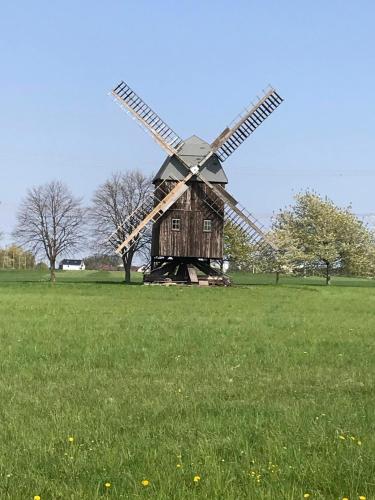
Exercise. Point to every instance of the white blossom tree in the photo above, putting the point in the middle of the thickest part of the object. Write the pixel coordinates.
(316, 232)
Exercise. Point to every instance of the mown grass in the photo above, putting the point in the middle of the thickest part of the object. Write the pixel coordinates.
(264, 392)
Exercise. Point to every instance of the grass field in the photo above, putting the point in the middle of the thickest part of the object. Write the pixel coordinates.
(261, 392)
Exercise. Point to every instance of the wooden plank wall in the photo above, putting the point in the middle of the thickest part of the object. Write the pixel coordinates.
(191, 240)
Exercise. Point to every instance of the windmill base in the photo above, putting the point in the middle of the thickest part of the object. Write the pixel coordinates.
(185, 271)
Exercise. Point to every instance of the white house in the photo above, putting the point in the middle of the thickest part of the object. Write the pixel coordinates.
(72, 265)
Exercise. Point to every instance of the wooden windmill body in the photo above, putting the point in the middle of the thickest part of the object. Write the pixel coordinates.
(190, 205)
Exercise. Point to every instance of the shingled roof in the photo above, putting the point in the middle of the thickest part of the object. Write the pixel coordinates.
(192, 152)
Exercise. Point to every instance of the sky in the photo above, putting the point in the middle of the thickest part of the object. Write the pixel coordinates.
(197, 64)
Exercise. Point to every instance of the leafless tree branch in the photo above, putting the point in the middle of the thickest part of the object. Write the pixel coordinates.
(114, 201)
(50, 222)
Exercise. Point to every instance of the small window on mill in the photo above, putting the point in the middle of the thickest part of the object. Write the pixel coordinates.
(176, 224)
(207, 225)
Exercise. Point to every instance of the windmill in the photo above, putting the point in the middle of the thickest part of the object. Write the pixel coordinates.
(190, 205)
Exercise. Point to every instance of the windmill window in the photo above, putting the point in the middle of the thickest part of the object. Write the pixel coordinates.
(176, 224)
(207, 225)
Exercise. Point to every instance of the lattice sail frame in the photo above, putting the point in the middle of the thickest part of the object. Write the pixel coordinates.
(149, 211)
(151, 121)
(234, 135)
(237, 215)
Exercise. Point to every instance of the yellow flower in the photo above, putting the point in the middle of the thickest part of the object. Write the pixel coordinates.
(342, 437)
(70, 439)
(178, 466)
(196, 479)
(345, 498)
(359, 443)
(145, 482)
(36, 497)
(306, 495)
(107, 485)
(362, 497)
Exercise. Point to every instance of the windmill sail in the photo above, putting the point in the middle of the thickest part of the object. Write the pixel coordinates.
(148, 119)
(233, 136)
(149, 211)
(238, 216)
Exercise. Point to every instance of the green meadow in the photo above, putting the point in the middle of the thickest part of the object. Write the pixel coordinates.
(254, 391)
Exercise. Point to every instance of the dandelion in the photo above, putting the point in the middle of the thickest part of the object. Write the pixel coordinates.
(71, 439)
(107, 485)
(345, 498)
(178, 466)
(36, 497)
(359, 443)
(342, 437)
(145, 482)
(196, 479)
(361, 497)
(306, 495)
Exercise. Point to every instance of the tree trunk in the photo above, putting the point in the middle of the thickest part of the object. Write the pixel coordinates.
(52, 272)
(127, 273)
(328, 276)
(127, 262)
(277, 277)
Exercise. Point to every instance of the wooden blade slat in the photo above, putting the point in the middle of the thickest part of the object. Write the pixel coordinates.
(238, 215)
(155, 212)
(232, 137)
(148, 119)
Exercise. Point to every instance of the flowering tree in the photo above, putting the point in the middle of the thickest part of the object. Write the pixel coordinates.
(316, 232)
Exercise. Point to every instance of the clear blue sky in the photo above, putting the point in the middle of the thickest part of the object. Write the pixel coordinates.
(197, 63)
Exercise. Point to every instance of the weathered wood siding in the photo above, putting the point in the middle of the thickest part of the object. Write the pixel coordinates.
(190, 240)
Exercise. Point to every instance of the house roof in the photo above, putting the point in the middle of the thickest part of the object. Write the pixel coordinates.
(192, 152)
(72, 262)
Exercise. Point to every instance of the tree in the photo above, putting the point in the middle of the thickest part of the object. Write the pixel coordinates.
(242, 253)
(49, 222)
(315, 232)
(113, 202)
(102, 261)
(237, 247)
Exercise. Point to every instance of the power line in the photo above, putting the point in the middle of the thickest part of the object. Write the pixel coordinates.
(304, 172)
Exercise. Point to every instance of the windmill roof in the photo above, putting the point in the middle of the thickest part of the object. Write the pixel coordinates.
(192, 151)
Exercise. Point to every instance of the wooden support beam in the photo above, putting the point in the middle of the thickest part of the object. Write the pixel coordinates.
(192, 274)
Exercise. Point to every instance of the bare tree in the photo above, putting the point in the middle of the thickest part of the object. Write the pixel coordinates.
(49, 222)
(1, 233)
(112, 203)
